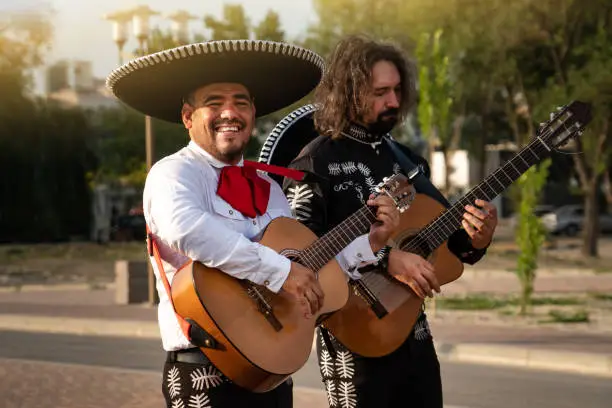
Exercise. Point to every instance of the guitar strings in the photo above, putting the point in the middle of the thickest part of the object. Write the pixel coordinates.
(431, 230)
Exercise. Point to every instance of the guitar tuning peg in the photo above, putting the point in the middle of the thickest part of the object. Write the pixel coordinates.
(560, 108)
(552, 115)
(385, 179)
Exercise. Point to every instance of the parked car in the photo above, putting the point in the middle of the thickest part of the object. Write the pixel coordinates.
(539, 211)
(129, 227)
(569, 220)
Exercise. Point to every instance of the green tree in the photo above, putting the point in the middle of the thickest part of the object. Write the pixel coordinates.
(234, 26)
(435, 101)
(269, 28)
(530, 233)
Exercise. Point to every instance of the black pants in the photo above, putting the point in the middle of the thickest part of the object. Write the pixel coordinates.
(201, 385)
(408, 377)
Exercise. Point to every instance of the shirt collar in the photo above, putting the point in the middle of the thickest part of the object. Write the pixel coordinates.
(361, 134)
(209, 158)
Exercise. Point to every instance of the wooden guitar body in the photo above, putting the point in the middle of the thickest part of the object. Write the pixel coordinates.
(249, 349)
(358, 327)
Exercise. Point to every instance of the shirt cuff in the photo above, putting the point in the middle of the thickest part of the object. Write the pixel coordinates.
(274, 269)
(357, 254)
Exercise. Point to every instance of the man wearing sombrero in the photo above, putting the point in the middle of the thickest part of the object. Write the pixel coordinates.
(203, 203)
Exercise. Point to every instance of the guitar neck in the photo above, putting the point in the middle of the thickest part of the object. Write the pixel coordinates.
(442, 227)
(323, 250)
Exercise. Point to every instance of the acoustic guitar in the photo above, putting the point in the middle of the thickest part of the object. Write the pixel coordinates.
(381, 311)
(255, 337)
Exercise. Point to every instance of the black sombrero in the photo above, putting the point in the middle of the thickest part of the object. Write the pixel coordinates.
(288, 138)
(276, 75)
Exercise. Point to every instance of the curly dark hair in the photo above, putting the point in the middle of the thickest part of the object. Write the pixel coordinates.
(342, 93)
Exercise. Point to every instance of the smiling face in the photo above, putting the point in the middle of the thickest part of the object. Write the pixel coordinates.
(220, 119)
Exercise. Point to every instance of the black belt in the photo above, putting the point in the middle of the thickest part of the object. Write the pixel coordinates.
(192, 355)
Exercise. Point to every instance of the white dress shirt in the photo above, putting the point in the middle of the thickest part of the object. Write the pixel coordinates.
(189, 221)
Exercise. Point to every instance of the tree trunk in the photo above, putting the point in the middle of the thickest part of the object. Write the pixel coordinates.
(448, 169)
(608, 188)
(591, 218)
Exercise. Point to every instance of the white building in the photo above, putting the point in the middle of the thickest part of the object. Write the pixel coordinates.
(465, 170)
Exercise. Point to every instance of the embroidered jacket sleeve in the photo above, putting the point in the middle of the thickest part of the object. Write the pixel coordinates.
(308, 201)
(459, 243)
(180, 215)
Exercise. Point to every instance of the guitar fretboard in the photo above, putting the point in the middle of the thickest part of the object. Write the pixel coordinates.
(441, 228)
(320, 252)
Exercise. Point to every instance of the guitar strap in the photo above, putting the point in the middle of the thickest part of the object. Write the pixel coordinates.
(413, 172)
(153, 250)
(198, 336)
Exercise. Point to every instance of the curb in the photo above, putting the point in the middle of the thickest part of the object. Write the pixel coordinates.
(476, 353)
(553, 360)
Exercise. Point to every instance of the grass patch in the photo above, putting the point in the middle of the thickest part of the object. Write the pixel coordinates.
(556, 301)
(483, 302)
(473, 302)
(558, 316)
(601, 296)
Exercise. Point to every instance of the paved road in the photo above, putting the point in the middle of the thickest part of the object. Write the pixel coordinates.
(93, 361)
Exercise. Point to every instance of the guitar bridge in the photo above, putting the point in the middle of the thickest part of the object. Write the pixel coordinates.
(263, 305)
(369, 297)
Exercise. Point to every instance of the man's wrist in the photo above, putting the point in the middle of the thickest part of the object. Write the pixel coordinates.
(384, 254)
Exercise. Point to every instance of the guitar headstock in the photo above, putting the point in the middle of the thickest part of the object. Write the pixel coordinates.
(566, 123)
(397, 187)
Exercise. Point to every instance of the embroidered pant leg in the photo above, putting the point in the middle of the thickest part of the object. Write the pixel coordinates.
(408, 377)
(352, 381)
(188, 385)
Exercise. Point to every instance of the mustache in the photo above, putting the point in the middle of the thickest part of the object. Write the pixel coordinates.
(392, 112)
(228, 122)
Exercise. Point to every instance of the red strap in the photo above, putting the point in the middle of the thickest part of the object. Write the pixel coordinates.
(278, 170)
(154, 251)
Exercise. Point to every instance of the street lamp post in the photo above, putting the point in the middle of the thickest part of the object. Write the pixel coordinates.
(140, 25)
(120, 22)
(139, 17)
(180, 25)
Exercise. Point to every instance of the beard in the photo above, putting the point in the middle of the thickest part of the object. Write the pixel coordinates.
(385, 122)
(234, 151)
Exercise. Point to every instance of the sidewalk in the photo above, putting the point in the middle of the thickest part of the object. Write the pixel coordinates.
(82, 311)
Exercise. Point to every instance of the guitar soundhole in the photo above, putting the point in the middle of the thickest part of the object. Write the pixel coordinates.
(292, 254)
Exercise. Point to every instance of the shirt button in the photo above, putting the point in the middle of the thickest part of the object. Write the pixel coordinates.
(254, 222)
(359, 255)
(231, 212)
(267, 282)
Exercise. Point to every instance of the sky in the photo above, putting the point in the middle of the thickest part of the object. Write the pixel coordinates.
(82, 33)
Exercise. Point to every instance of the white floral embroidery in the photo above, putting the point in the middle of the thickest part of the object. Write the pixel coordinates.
(174, 382)
(205, 378)
(334, 169)
(421, 330)
(348, 167)
(344, 364)
(299, 198)
(330, 386)
(177, 403)
(371, 184)
(348, 397)
(326, 364)
(364, 169)
(396, 168)
(199, 401)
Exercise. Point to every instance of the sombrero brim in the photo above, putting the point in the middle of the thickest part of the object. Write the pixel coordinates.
(287, 139)
(276, 75)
